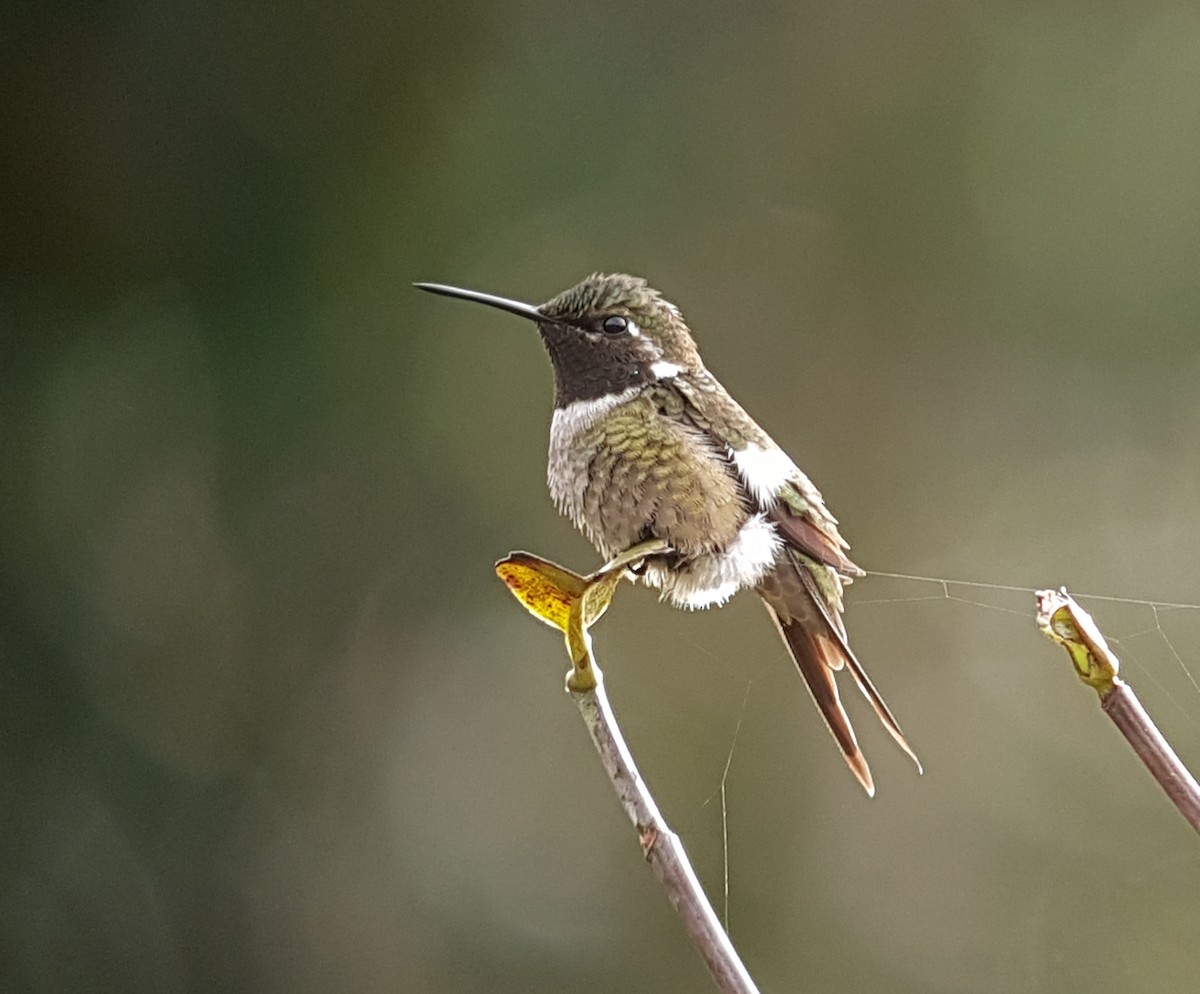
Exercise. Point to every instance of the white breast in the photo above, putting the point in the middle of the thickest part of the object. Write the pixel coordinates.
(566, 468)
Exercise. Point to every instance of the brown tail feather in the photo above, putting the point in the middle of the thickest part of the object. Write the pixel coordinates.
(816, 639)
(813, 659)
(878, 704)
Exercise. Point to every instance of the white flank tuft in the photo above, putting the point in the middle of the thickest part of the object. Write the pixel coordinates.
(765, 471)
(711, 579)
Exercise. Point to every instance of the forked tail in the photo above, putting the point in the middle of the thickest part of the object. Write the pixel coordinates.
(816, 639)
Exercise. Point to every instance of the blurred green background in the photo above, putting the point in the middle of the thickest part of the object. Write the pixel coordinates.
(268, 722)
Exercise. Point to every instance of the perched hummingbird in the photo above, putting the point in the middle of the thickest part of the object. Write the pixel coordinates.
(645, 443)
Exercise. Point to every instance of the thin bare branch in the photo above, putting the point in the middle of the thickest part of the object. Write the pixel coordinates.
(572, 603)
(1062, 620)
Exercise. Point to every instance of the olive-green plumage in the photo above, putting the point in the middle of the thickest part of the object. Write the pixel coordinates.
(641, 468)
(646, 443)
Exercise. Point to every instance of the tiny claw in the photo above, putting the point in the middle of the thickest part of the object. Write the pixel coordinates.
(647, 836)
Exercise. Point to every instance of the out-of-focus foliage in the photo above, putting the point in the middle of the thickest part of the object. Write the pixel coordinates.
(253, 486)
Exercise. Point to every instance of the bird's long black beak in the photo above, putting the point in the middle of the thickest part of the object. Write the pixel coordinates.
(503, 303)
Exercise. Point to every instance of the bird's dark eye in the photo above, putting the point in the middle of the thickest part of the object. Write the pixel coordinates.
(614, 324)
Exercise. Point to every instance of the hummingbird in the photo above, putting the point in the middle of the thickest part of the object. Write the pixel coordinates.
(645, 444)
